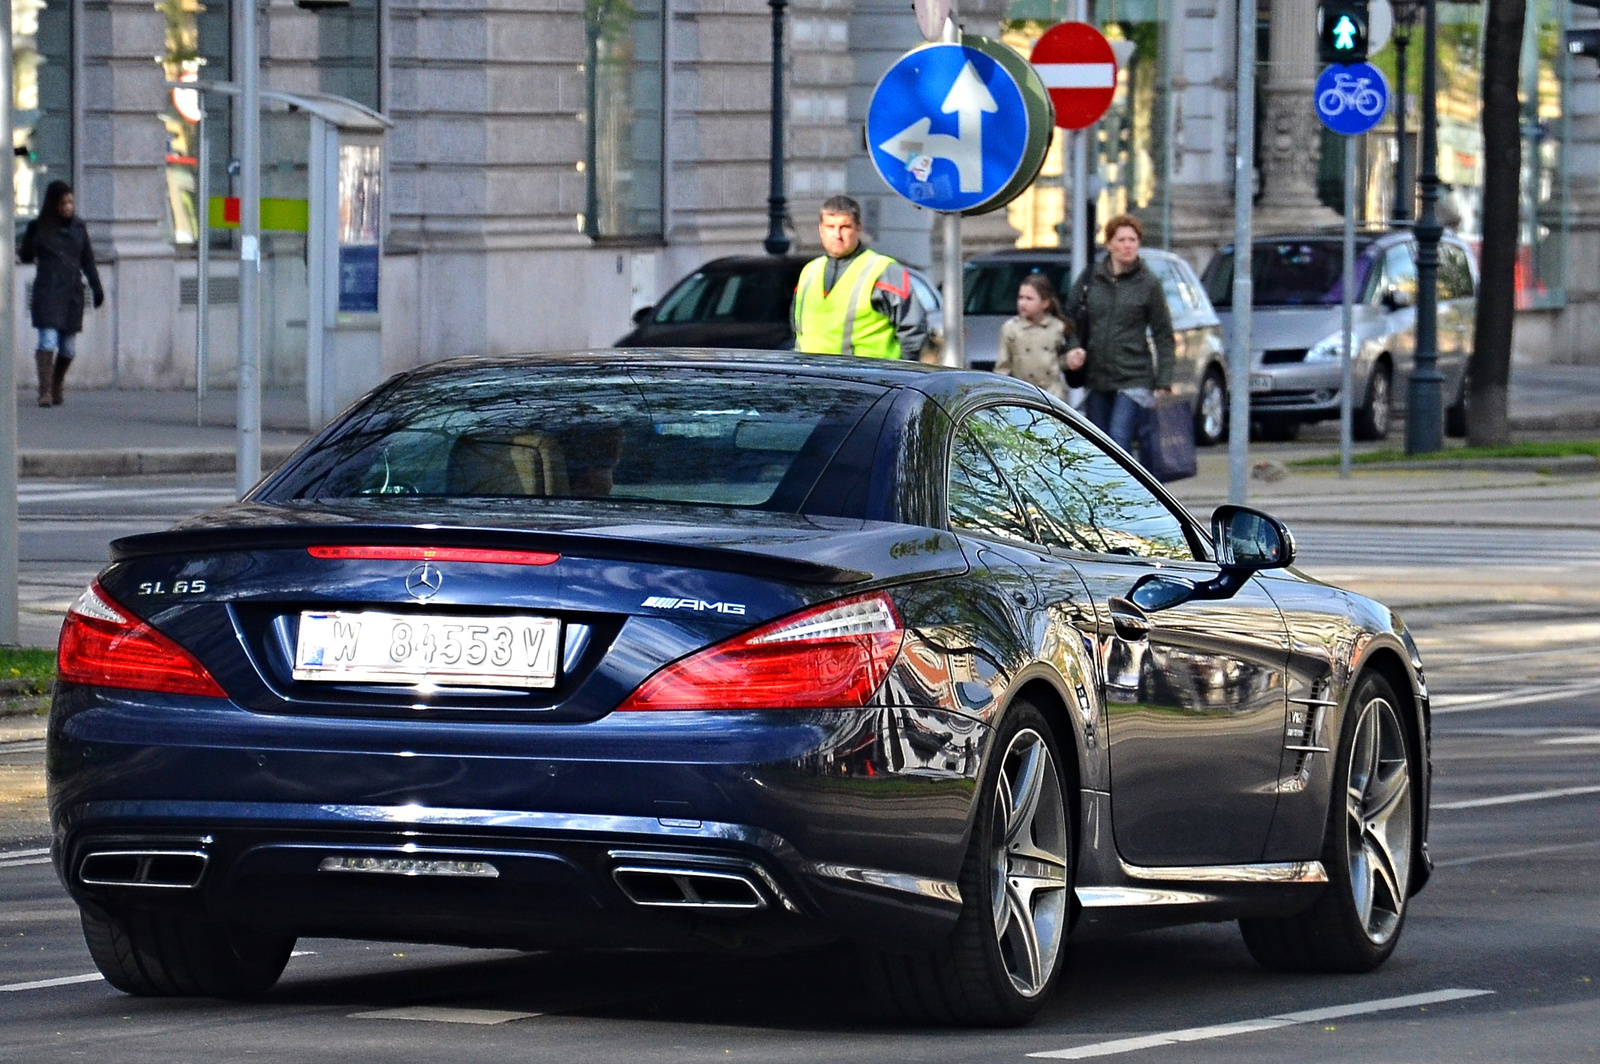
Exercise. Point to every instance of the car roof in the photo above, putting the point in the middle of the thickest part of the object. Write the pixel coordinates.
(752, 263)
(934, 381)
(1050, 255)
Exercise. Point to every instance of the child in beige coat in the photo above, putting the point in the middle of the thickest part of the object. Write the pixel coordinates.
(1036, 345)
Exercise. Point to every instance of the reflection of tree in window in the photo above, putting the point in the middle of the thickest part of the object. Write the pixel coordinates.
(979, 499)
(41, 71)
(1079, 497)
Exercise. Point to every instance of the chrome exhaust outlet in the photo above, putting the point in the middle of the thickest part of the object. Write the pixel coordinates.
(166, 869)
(688, 887)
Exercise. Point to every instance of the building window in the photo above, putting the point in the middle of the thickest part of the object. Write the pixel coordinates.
(348, 49)
(623, 72)
(41, 70)
(197, 43)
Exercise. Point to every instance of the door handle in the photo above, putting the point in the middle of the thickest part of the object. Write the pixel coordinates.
(1130, 622)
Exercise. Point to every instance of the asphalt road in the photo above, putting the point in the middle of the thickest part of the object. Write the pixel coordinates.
(1501, 583)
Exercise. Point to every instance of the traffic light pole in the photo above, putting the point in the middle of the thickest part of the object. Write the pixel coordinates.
(1424, 413)
(953, 353)
(1244, 154)
(247, 469)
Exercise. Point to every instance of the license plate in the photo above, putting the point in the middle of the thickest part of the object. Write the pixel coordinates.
(376, 647)
(1261, 382)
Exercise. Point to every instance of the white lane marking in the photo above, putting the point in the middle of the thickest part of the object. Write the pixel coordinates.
(45, 984)
(1457, 862)
(1474, 703)
(1516, 799)
(1586, 739)
(436, 1014)
(25, 862)
(15, 854)
(1268, 1023)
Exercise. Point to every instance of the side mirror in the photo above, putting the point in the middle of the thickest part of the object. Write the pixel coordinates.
(1159, 591)
(1249, 540)
(642, 315)
(1397, 298)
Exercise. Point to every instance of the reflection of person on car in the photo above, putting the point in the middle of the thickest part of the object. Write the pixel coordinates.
(592, 454)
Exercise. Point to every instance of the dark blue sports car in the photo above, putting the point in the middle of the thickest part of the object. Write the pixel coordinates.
(748, 652)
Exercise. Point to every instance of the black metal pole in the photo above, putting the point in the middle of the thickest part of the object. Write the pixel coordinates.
(777, 242)
(1402, 182)
(1424, 414)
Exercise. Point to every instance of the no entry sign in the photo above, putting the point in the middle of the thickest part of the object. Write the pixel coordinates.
(1075, 62)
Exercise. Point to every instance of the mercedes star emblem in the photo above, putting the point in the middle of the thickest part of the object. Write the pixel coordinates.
(424, 582)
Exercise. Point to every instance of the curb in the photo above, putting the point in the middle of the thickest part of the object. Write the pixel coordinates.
(145, 462)
(1566, 421)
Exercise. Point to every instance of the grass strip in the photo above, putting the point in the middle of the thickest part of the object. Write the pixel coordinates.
(1553, 449)
(34, 668)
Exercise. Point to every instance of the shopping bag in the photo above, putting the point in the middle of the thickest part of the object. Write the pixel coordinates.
(1166, 439)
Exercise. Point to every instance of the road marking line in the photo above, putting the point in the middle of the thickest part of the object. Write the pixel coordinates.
(45, 984)
(1456, 862)
(25, 863)
(1268, 1023)
(1586, 739)
(435, 1014)
(1475, 703)
(1514, 799)
(15, 854)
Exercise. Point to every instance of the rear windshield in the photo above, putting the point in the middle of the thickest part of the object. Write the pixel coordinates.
(1288, 273)
(756, 298)
(991, 287)
(717, 437)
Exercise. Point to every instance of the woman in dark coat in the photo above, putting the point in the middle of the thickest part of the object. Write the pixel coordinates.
(59, 243)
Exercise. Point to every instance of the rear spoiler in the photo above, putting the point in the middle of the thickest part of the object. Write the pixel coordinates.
(288, 537)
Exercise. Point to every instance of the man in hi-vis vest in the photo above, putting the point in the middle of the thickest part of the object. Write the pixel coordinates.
(854, 301)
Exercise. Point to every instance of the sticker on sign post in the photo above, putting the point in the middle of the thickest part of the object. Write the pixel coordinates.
(1078, 67)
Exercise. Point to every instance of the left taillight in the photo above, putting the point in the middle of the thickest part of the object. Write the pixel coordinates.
(833, 656)
(104, 646)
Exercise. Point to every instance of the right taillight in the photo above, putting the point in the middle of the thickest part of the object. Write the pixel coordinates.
(833, 656)
(103, 646)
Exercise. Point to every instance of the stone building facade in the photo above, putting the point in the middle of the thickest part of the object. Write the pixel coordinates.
(554, 165)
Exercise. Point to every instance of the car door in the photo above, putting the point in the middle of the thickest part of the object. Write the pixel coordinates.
(1195, 695)
(1399, 338)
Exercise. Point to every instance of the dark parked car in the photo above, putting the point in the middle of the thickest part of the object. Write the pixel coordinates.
(991, 283)
(1297, 327)
(736, 652)
(744, 301)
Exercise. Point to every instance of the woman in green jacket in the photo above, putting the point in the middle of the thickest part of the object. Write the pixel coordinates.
(1122, 302)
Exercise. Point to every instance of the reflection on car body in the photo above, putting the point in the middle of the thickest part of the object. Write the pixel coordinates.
(942, 725)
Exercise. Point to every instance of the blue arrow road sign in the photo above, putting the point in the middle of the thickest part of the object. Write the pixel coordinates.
(1351, 99)
(948, 127)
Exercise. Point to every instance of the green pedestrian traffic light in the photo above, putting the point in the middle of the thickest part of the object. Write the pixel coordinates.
(1342, 31)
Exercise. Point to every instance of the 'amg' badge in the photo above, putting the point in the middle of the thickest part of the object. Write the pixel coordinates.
(669, 602)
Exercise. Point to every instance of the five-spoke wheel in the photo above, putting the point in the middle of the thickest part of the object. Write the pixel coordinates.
(1028, 863)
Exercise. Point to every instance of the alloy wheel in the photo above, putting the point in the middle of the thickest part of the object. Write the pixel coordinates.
(1378, 402)
(1213, 409)
(1028, 862)
(1378, 820)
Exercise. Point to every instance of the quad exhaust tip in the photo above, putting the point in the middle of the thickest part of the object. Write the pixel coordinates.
(166, 869)
(687, 887)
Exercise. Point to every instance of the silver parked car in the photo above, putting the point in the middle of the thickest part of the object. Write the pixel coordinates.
(991, 283)
(1296, 329)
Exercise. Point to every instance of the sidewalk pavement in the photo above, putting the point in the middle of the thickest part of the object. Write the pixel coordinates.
(124, 433)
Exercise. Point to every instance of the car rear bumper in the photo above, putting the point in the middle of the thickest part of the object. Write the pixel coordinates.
(763, 830)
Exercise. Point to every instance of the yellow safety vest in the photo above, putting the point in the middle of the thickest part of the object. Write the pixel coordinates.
(843, 321)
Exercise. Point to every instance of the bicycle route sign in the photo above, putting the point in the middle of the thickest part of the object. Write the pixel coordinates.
(959, 127)
(1351, 99)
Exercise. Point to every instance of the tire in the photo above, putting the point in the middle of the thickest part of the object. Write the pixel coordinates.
(1356, 921)
(1005, 955)
(1375, 415)
(161, 955)
(1277, 429)
(1211, 409)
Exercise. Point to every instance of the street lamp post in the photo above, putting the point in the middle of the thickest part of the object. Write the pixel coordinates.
(1405, 20)
(777, 242)
(1424, 413)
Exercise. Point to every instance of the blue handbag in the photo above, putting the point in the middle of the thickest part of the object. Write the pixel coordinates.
(1166, 439)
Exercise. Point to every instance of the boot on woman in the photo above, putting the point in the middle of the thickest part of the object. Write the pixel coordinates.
(56, 379)
(41, 361)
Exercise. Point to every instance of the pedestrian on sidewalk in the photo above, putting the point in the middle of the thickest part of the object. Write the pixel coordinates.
(1038, 345)
(1121, 302)
(58, 242)
(853, 300)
